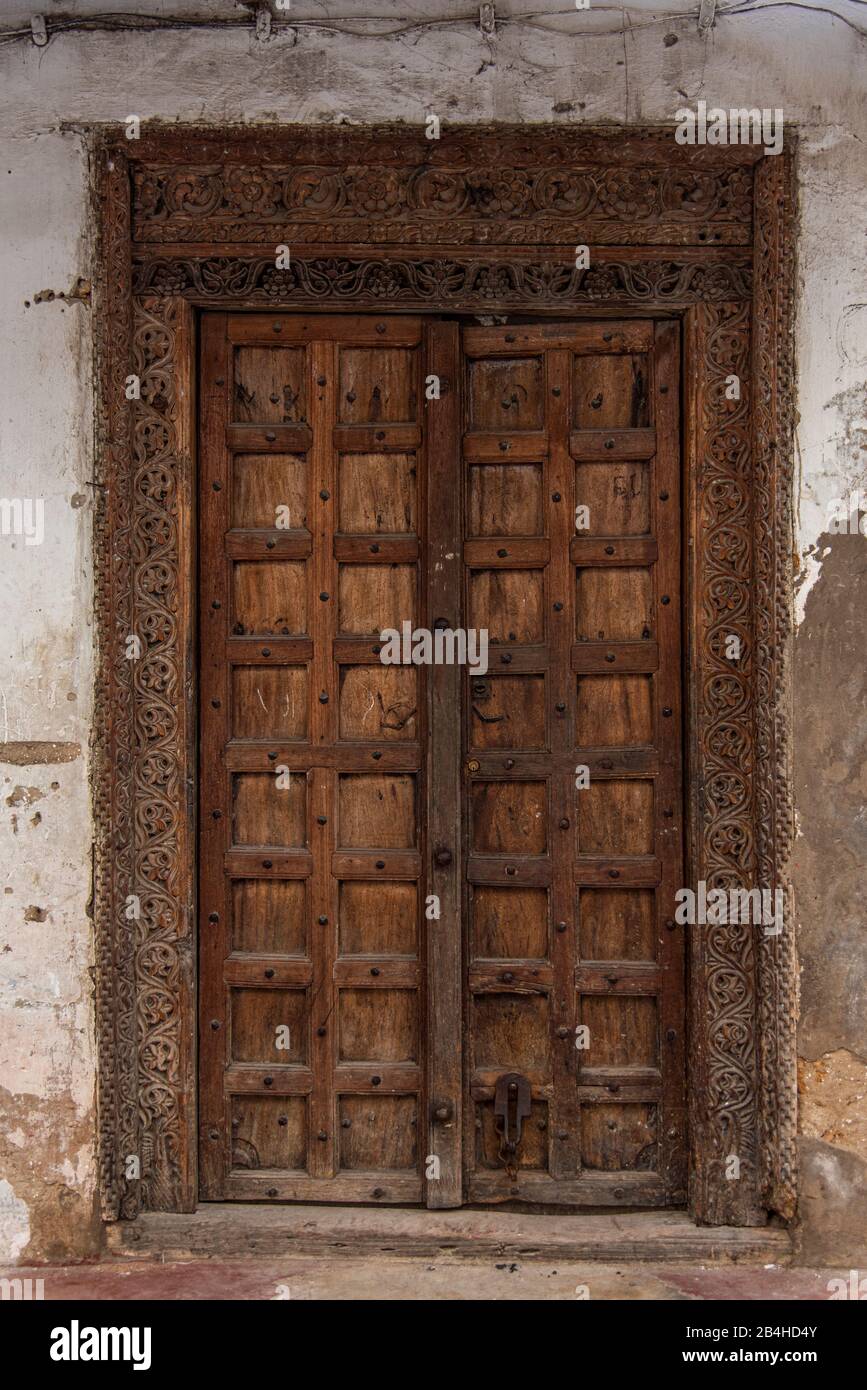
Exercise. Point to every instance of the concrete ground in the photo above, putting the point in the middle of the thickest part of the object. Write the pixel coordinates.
(358, 1278)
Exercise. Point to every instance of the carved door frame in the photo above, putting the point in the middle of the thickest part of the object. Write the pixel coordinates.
(382, 219)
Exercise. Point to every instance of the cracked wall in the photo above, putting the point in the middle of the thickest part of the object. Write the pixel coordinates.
(809, 64)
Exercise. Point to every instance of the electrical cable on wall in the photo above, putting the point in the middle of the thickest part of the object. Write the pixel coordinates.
(265, 22)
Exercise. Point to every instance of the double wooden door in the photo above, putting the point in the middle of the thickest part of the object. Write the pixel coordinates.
(438, 956)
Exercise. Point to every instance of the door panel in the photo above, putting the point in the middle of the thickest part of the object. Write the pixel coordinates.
(405, 896)
(313, 517)
(573, 980)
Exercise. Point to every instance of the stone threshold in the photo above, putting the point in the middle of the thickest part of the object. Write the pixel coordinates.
(226, 1231)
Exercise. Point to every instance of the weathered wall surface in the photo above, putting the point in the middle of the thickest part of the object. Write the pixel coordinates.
(571, 67)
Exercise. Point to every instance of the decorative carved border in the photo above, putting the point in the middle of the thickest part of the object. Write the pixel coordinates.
(742, 984)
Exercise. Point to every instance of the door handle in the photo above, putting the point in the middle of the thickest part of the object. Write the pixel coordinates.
(512, 1105)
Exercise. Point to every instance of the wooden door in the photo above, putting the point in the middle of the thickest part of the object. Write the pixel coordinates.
(339, 923)
(330, 1007)
(572, 743)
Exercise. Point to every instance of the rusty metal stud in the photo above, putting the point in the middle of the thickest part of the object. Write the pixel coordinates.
(609, 656)
(665, 599)
(268, 1081)
(272, 757)
(269, 545)
(270, 436)
(215, 603)
(511, 870)
(215, 704)
(609, 444)
(560, 706)
(376, 757)
(561, 926)
(555, 496)
(321, 820)
(506, 658)
(564, 822)
(325, 494)
(267, 863)
(380, 863)
(666, 711)
(218, 487)
(324, 596)
(671, 1034)
(283, 1120)
(345, 1124)
(613, 873)
(323, 921)
(612, 979)
(670, 924)
(558, 607)
(321, 381)
(217, 815)
(376, 1081)
(663, 496)
(219, 381)
(214, 917)
(213, 1134)
(668, 814)
(555, 390)
(215, 1024)
(378, 1192)
(266, 651)
(374, 549)
(272, 1192)
(375, 970)
(502, 553)
(609, 550)
(269, 974)
(663, 390)
(320, 1031)
(563, 1032)
(507, 977)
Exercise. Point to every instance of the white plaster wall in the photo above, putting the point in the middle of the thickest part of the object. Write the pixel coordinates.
(810, 64)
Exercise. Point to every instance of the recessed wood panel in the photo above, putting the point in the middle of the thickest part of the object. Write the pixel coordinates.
(509, 922)
(377, 493)
(505, 500)
(373, 597)
(506, 393)
(614, 711)
(507, 712)
(269, 1132)
(617, 498)
(616, 924)
(509, 817)
(511, 1032)
(269, 598)
(270, 385)
(376, 385)
(377, 811)
(614, 605)
(269, 702)
(378, 919)
(269, 1026)
(623, 1030)
(269, 490)
(615, 817)
(269, 916)
(378, 1025)
(378, 1132)
(619, 1138)
(265, 813)
(611, 391)
(379, 702)
(509, 604)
